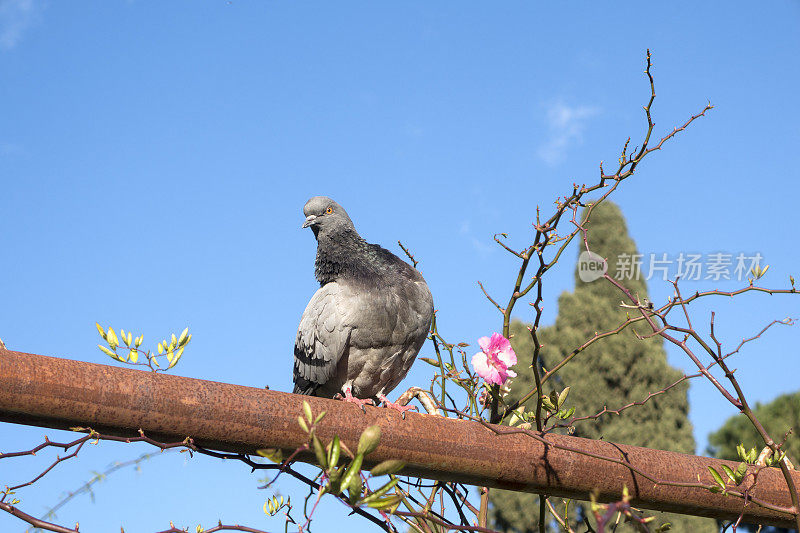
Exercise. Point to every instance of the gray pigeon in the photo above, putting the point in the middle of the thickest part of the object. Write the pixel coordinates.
(363, 328)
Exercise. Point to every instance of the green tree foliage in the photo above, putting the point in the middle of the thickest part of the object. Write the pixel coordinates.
(777, 417)
(613, 372)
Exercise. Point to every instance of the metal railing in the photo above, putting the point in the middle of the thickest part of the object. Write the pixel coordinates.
(62, 393)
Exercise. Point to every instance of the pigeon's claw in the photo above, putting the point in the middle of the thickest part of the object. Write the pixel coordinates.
(396, 406)
(348, 397)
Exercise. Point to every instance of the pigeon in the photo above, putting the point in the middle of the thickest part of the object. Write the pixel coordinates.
(365, 325)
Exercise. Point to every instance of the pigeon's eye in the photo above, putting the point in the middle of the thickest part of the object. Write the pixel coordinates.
(329, 210)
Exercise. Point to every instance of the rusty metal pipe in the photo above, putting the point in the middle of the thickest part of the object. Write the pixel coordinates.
(61, 393)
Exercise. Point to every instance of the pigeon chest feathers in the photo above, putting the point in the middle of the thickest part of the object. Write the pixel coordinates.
(346, 256)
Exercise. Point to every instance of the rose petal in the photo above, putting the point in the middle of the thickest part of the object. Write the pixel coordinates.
(509, 358)
(484, 343)
(499, 343)
(481, 364)
(493, 377)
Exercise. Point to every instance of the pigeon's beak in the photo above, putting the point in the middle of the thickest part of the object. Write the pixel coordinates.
(309, 221)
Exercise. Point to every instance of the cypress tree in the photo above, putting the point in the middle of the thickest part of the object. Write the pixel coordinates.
(613, 372)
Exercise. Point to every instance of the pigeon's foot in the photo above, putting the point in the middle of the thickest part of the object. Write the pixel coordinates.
(348, 397)
(397, 406)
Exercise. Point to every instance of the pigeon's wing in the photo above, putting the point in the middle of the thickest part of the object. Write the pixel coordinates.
(322, 338)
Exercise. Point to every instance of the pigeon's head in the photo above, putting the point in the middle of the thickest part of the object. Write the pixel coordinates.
(323, 215)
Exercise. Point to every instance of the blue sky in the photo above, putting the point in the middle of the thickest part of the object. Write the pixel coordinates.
(155, 158)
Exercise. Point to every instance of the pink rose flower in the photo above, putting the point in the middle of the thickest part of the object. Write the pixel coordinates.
(493, 361)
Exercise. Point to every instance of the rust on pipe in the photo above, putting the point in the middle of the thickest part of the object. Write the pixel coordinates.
(61, 393)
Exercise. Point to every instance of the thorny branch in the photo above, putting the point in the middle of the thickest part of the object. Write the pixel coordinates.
(186, 445)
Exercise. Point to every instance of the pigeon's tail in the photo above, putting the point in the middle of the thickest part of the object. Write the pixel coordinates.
(305, 387)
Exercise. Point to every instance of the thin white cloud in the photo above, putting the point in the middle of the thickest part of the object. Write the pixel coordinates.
(16, 16)
(566, 125)
(483, 248)
(8, 149)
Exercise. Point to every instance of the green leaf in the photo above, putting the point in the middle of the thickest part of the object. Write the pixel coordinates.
(562, 397)
(307, 411)
(741, 469)
(160, 349)
(354, 489)
(108, 352)
(134, 355)
(389, 501)
(740, 472)
(319, 451)
(302, 422)
(381, 491)
(100, 330)
(728, 472)
(176, 357)
(752, 455)
(112, 339)
(741, 452)
(183, 337)
(335, 475)
(716, 477)
(391, 466)
(554, 398)
(548, 404)
(432, 362)
(139, 340)
(370, 438)
(320, 417)
(353, 470)
(335, 451)
(129, 340)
